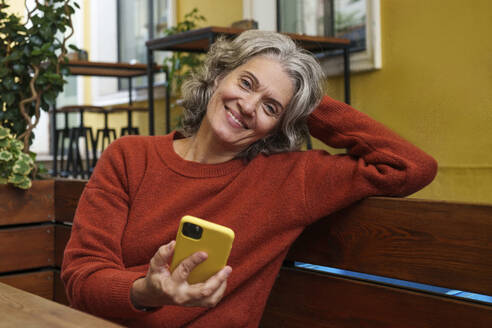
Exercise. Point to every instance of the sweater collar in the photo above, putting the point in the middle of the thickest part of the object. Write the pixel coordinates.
(165, 149)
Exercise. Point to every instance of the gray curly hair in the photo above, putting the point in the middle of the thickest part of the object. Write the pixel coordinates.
(226, 55)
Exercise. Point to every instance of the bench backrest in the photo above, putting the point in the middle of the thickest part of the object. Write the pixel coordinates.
(437, 243)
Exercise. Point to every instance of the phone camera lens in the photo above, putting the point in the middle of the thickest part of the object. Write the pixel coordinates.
(192, 230)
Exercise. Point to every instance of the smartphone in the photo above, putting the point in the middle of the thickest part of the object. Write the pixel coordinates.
(196, 235)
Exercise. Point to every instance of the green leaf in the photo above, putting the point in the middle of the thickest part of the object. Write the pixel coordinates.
(46, 32)
(15, 55)
(36, 40)
(19, 69)
(8, 82)
(45, 46)
(25, 184)
(26, 158)
(5, 156)
(49, 98)
(20, 181)
(16, 145)
(4, 132)
(73, 47)
(36, 52)
(4, 71)
(21, 167)
(9, 98)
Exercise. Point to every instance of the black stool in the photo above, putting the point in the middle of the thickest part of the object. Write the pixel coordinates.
(129, 129)
(61, 136)
(106, 134)
(74, 166)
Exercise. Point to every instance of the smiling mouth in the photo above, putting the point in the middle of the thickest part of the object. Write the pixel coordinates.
(236, 119)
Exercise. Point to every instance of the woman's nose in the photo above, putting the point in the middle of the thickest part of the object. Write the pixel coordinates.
(248, 105)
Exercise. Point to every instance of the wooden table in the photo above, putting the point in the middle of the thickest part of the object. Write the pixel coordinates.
(199, 41)
(22, 309)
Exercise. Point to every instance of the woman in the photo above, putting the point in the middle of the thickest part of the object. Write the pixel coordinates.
(237, 164)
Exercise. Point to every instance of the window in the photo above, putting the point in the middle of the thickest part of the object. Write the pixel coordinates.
(334, 18)
(119, 30)
(133, 31)
(357, 20)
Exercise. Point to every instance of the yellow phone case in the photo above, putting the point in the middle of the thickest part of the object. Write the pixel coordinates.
(216, 240)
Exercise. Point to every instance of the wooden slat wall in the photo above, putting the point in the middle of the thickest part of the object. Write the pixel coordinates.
(62, 235)
(67, 194)
(301, 299)
(59, 294)
(16, 206)
(39, 283)
(436, 243)
(26, 247)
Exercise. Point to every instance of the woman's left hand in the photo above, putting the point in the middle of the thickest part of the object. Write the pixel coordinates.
(161, 287)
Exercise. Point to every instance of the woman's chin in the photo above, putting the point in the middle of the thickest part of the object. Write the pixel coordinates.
(232, 139)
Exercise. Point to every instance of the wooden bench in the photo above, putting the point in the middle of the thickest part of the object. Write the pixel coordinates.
(436, 243)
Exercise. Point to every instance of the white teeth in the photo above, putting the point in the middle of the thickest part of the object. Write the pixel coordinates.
(235, 119)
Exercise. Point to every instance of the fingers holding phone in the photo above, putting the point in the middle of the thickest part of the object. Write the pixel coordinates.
(205, 294)
(160, 287)
(194, 278)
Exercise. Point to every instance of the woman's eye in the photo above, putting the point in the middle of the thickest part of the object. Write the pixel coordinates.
(245, 84)
(270, 109)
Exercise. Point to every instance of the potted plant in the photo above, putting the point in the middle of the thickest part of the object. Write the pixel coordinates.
(180, 65)
(32, 69)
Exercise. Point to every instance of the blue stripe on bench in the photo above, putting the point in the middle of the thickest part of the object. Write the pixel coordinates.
(395, 282)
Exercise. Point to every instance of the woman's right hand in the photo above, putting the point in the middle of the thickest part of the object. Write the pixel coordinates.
(161, 287)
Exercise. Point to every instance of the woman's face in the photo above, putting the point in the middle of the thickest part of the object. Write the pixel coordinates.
(248, 102)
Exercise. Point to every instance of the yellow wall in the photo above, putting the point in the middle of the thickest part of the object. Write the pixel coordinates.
(217, 12)
(435, 89)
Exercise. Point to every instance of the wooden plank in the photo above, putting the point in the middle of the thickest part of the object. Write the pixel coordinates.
(62, 235)
(39, 283)
(198, 40)
(26, 248)
(21, 309)
(107, 69)
(119, 65)
(60, 295)
(301, 299)
(436, 243)
(67, 194)
(19, 206)
(111, 72)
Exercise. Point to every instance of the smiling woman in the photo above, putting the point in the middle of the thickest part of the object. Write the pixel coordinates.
(246, 106)
(282, 66)
(237, 163)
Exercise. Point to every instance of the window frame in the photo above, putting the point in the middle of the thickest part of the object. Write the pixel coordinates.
(361, 61)
(104, 22)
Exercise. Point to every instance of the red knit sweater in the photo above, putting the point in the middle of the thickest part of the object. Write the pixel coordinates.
(141, 188)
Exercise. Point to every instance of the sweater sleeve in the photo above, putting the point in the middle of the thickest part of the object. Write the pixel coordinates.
(93, 271)
(377, 162)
